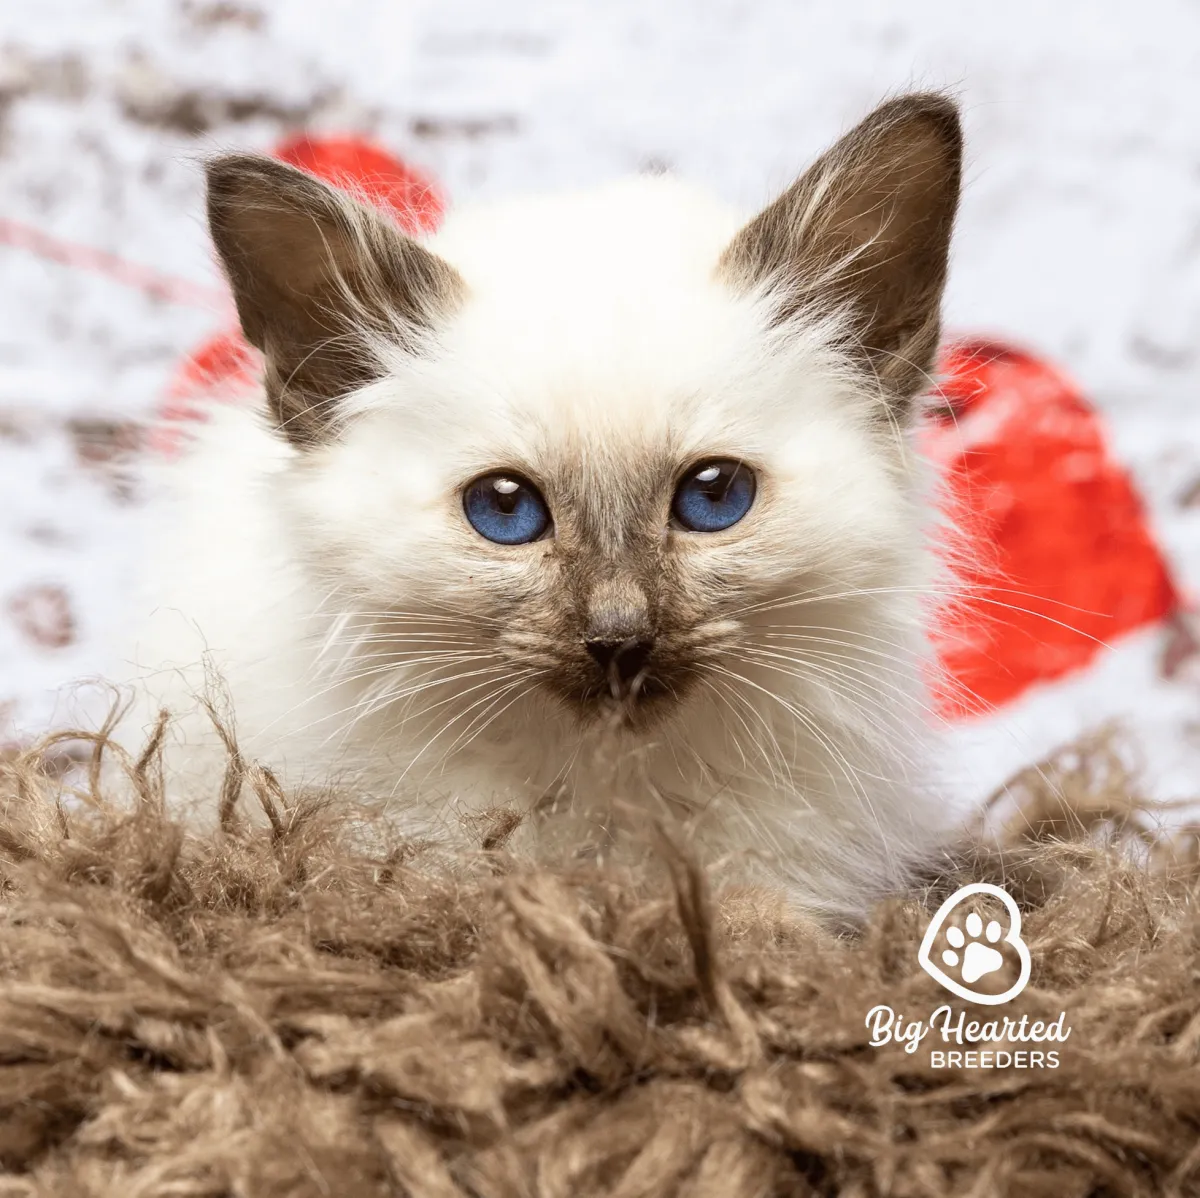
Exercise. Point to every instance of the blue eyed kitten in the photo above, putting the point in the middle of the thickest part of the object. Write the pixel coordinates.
(588, 506)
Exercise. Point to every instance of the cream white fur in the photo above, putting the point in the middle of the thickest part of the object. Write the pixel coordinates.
(594, 326)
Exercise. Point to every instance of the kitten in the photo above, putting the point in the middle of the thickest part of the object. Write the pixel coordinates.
(589, 506)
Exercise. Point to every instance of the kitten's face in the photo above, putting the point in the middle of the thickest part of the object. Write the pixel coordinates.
(603, 448)
(662, 461)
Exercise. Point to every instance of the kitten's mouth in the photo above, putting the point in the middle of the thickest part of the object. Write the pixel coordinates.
(625, 681)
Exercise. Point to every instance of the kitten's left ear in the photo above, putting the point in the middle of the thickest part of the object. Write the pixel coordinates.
(320, 281)
(867, 228)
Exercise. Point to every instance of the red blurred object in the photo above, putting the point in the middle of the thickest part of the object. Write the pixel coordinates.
(224, 367)
(223, 370)
(1055, 558)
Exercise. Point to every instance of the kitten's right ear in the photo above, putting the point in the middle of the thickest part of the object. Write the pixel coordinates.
(319, 280)
(866, 231)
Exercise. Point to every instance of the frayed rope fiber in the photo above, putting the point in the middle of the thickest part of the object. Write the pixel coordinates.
(298, 1010)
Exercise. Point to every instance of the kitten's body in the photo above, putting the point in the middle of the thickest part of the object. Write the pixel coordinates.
(597, 345)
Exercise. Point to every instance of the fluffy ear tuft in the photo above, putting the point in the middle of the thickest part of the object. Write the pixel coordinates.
(318, 279)
(867, 229)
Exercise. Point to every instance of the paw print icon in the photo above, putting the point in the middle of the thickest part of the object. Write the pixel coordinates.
(973, 945)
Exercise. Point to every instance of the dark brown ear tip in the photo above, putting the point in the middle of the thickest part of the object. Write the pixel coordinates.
(232, 175)
(936, 110)
(228, 169)
(228, 179)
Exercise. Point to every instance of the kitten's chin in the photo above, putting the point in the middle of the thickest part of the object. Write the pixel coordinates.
(639, 710)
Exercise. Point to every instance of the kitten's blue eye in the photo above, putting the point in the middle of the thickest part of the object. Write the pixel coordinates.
(506, 509)
(714, 495)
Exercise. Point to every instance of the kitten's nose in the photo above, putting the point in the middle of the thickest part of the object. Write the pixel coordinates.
(621, 660)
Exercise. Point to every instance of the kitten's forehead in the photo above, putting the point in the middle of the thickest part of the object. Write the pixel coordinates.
(604, 306)
(596, 361)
